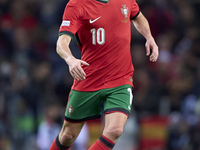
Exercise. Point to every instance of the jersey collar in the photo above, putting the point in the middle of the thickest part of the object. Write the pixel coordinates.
(103, 1)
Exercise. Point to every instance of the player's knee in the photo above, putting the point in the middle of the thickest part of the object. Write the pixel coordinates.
(67, 138)
(115, 132)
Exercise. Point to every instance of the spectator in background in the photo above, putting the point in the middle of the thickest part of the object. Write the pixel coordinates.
(48, 128)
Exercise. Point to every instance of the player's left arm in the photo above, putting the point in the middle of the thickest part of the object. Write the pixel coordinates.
(142, 25)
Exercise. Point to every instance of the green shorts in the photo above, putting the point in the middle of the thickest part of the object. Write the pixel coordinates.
(83, 106)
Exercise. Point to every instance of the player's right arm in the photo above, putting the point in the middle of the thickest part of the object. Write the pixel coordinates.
(74, 64)
(142, 25)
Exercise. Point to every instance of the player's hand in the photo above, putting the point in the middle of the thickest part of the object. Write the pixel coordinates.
(76, 70)
(151, 45)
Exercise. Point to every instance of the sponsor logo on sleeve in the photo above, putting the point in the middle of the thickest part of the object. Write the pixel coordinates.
(65, 23)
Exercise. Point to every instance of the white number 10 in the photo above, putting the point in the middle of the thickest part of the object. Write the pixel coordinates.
(98, 36)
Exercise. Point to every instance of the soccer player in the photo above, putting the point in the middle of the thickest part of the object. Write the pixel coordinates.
(104, 72)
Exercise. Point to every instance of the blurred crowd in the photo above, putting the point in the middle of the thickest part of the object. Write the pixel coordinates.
(35, 81)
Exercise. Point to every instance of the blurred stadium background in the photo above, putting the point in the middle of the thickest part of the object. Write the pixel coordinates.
(35, 82)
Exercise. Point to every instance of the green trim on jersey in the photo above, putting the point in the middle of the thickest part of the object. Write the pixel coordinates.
(83, 106)
(135, 15)
(66, 33)
(103, 1)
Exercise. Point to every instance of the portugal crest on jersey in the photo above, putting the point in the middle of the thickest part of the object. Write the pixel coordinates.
(124, 11)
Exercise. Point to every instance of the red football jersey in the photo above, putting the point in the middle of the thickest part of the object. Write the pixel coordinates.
(103, 31)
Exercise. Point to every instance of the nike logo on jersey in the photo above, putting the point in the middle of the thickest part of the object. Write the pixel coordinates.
(92, 21)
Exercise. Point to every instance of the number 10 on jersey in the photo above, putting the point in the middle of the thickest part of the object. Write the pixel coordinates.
(98, 36)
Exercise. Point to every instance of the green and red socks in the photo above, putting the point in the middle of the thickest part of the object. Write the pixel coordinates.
(57, 146)
(102, 143)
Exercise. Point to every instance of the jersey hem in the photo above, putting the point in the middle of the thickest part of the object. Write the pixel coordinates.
(112, 110)
(100, 88)
(82, 120)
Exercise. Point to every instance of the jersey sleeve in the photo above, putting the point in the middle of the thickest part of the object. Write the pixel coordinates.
(135, 10)
(70, 19)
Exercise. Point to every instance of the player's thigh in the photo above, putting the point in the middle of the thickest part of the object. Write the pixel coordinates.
(114, 125)
(70, 130)
(119, 99)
